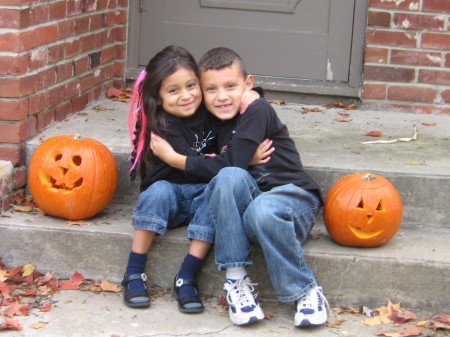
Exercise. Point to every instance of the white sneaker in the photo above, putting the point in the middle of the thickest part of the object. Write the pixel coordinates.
(244, 308)
(311, 310)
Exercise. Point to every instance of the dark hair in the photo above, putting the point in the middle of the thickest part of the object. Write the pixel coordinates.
(219, 58)
(149, 115)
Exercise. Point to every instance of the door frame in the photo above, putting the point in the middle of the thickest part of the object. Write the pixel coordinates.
(352, 88)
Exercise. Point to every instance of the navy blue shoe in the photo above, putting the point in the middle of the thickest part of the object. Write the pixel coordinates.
(187, 305)
(135, 299)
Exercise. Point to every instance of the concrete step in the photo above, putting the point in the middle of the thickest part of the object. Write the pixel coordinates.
(414, 267)
(420, 169)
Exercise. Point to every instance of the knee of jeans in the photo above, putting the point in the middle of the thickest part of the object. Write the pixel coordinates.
(231, 176)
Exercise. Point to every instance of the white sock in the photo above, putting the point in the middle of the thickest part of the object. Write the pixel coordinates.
(236, 273)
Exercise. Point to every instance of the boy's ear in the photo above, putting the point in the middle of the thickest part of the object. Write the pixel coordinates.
(249, 81)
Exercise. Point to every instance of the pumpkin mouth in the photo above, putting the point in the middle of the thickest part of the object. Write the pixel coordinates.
(364, 235)
(51, 182)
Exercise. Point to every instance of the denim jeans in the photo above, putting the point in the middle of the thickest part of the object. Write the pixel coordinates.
(165, 205)
(278, 220)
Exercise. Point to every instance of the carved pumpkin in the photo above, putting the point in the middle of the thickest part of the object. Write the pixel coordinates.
(72, 177)
(362, 210)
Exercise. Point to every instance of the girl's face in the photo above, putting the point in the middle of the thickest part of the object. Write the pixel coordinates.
(180, 93)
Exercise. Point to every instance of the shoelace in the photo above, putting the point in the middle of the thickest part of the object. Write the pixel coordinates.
(239, 288)
(321, 298)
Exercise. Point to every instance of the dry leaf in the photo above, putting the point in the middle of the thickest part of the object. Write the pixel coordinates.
(39, 325)
(100, 108)
(376, 133)
(27, 270)
(411, 331)
(110, 287)
(429, 124)
(343, 119)
(404, 139)
(335, 323)
(278, 101)
(79, 223)
(21, 208)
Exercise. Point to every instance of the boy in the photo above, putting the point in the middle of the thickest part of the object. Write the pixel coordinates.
(273, 205)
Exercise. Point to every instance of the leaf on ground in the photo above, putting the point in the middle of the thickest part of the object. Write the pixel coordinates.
(38, 325)
(278, 101)
(73, 283)
(340, 105)
(79, 223)
(269, 315)
(335, 323)
(100, 108)
(401, 316)
(22, 208)
(343, 120)
(46, 307)
(444, 318)
(429, 124)
(16, 309)
(410, 331)
(110, 287)
(10, 324)
(306, 110)
(28, 269)
(375, 133)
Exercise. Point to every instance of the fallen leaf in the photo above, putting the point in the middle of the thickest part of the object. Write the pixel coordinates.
(20, 208)
(443, 317)
(10, 324)
(100, 108)
(110, 287)
(79, 223)
(278, 101)
(46, 307)
(39, 325)
(401, 316)
(27, 270)
(306, 110)
(269, 315)
(73, 283)
(429, 124)
(411, 331)
(335, 323)
(376, 133)
(343, 119)
(411, 163)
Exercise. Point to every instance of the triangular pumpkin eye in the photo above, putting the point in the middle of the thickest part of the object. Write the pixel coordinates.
(380, 206)
(360, 204)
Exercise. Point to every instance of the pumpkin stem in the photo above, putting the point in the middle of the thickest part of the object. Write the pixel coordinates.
(77, 137)
(368, 177)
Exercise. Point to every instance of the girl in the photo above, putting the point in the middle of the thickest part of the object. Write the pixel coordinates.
(169, 104)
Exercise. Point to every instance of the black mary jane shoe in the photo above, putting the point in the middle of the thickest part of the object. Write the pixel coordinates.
(188, 305)
(135, 299)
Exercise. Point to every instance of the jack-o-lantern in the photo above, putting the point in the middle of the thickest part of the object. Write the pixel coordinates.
(362, 210)
(72, 177)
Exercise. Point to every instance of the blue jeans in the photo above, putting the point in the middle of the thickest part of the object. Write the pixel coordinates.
(278, 220)
(165, 205)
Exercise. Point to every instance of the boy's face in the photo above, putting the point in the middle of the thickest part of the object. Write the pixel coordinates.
(223, 89)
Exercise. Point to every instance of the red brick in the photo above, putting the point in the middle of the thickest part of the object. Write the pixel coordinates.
(440, 77)
(389, 38)
(376, 55)
(395, 4)
(380, 19)
(56, 53)
(56, 95)
(79, 103)
(87, 82)
(37, 103)
(374, 91)
(119, 69)
(64, 71)
(13, 110)
(120, 34)
(121, 50)
(436, 6)
(102, 4)
(57, 10)
(109, 19)
(446, 96)
(431, 109)
(81, 65)
(12, 154)
(72, 89)
(73, 47)
(74, 7)
(62, 111)
(45, 119)
(416, 21)
(96, 22)
(412, 94)
(112, 4)
(46, 34)
(46, 77)
(14, 18)
(18, 86)
(16, 2)
(13, 64)
(436, 41)
(38, 57)
(413, 57)
(17, 132)
(447, 60)
(123, 3)
(121, 17)
(89, 5)
(388, 74)
(82, 25)
(66, 28)
(10, 41)
(39, 14)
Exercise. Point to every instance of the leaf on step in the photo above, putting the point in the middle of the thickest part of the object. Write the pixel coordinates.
(269, 315)
(410, 331)
(73, 283)
(27, 269)
(344, 120)
(428, 124)
(79, 223)
(401, 316)
(38, 325)
(444, 318)
(335, 323)
(100, 108)
(10, 324)
(46, 307)
(375, 133)
(278, 101)
(110, 287)
(20, 208)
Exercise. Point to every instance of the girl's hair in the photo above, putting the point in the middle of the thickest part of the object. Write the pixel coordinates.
(149, 116)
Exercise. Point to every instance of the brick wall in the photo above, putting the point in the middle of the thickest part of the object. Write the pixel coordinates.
(56, 57)
(407, 55)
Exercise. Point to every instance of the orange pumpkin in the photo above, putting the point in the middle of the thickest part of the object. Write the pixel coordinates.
(362, 210)
(72, 177)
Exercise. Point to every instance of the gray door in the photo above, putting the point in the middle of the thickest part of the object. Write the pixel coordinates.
(290, 45)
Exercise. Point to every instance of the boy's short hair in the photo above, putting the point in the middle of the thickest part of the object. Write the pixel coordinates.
(219, 58)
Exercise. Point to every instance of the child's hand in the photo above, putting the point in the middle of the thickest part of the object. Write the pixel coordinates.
(262, 154)
(160, 147)
(248, 98)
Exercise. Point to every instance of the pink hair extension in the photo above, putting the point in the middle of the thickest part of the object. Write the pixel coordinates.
(133, 115)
